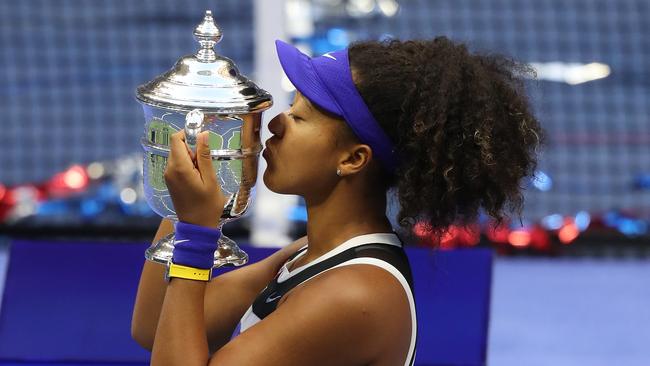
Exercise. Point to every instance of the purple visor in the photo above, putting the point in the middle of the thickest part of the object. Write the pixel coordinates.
(327, 82)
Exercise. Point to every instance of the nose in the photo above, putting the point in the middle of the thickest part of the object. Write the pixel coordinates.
(276, 125)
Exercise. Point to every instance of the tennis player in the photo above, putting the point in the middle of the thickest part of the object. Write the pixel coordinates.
(450, 132)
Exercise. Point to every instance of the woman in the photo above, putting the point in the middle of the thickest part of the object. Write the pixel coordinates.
(450, 131)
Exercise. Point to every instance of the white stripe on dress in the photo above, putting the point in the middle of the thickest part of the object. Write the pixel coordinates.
(381, 238)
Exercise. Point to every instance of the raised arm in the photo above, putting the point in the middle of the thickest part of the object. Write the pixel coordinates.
(227, 295)
(150, 295)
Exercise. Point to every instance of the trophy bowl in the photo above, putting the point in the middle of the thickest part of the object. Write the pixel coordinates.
(203, 92)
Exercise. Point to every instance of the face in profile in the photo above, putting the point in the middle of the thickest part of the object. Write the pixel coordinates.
(303, 153)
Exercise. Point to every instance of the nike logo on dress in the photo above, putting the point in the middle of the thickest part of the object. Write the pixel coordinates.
(269, 299)
(330, 56)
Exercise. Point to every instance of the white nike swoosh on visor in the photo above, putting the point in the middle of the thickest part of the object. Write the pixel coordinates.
(330, 56)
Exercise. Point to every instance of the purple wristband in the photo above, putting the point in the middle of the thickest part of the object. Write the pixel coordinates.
(194, 245)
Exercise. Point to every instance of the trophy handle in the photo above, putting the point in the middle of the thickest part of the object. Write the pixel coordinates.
(193, 126)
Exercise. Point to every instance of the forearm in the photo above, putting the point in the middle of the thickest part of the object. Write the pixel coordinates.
(150, 295)
(181, 336)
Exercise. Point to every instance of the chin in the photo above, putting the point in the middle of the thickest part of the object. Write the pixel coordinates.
(268, 180)
(274, 184)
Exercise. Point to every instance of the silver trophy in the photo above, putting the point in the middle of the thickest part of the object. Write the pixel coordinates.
(203, 92)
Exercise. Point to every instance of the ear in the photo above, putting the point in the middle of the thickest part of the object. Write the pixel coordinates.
(355, 159)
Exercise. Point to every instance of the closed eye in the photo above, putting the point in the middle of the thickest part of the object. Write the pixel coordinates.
(295, 117)
(290, 114)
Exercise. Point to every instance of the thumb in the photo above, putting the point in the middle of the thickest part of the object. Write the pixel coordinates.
(204, 158)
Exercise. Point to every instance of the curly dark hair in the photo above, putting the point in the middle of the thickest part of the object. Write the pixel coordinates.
(461, 123)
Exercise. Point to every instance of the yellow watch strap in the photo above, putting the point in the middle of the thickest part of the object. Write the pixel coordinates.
(190, 273)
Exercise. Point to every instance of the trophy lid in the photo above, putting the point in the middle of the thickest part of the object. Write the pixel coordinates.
(205, 80)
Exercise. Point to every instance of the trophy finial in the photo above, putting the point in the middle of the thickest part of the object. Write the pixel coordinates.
(208, 35)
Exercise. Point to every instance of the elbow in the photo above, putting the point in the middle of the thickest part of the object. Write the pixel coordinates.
(141, 337)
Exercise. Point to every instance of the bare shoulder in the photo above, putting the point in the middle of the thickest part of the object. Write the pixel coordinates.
(360, 282)
(378, 307)
(358, 310)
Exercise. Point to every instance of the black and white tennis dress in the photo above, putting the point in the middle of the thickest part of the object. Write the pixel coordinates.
(382, 250)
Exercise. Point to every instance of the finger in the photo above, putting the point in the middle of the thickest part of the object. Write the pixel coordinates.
(178, 154)
(190, 152)
(204, 158)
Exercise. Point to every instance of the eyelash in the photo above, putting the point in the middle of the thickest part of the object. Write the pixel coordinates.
(292, 115)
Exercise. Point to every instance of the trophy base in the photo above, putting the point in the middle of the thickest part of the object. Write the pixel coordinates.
(227, 253)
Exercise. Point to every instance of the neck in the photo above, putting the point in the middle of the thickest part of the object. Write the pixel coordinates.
(343, 215)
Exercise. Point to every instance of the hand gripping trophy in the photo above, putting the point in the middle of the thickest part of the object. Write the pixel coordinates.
(203, 92)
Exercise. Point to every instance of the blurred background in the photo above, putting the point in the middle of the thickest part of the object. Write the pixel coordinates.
(570, 279)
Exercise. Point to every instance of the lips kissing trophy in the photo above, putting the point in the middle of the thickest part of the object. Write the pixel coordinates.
(203, 92)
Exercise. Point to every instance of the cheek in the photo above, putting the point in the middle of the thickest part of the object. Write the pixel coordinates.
(300, 168)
